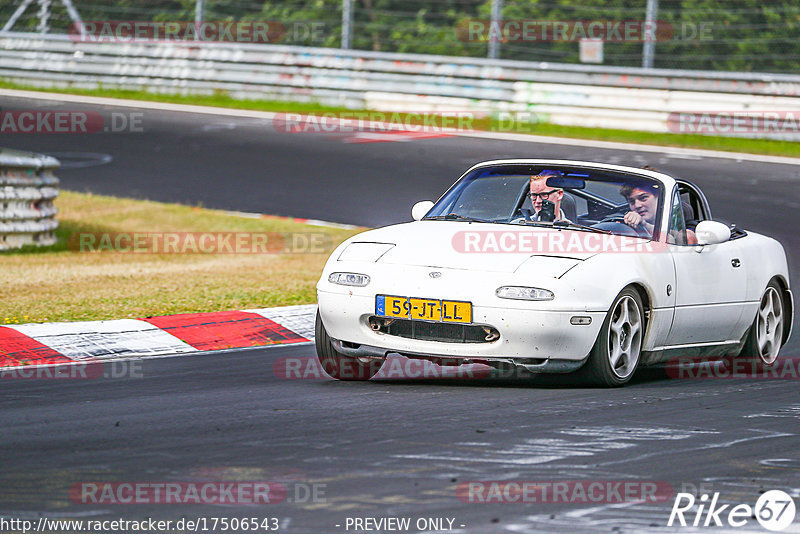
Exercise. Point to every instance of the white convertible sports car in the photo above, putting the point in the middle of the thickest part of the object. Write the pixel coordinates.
(554, 266)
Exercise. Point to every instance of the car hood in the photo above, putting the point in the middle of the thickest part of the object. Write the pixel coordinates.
(472, 246)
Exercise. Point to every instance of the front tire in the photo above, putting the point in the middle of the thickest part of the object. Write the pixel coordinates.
(616, 353)
(338, 365)
(766, 333)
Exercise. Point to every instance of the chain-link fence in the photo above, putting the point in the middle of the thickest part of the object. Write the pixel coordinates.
(724, 35)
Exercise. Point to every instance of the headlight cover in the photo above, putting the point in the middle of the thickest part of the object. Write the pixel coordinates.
(349, 279)
(524, 293)
(370, 252)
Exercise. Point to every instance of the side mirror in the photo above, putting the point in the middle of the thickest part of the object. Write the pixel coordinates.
(421, 209)
(712, 233)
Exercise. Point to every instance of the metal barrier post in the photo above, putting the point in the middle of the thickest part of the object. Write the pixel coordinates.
(16, 15)
(199, 12)
(44, 16)
(494, 29)
(347, 23)
(648, 54)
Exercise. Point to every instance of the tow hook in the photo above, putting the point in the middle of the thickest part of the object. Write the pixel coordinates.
(490, 335)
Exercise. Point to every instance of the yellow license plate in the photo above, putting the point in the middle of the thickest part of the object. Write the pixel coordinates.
(454, 311)
(448, 311)
(387, 306)
(426, 309)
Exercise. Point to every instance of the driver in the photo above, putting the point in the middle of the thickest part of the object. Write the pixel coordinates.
(539, 192)
(643, 202)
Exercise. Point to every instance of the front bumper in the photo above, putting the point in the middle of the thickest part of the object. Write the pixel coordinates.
(527, 331)
(537, 366)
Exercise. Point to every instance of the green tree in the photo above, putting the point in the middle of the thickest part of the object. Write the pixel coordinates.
(726, 35)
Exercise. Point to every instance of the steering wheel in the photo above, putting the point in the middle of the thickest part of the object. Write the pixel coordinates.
(640, 230)
(521, 215)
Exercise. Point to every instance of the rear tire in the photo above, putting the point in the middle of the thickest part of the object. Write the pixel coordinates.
(617, 351)
(338, 365)
(765, 337)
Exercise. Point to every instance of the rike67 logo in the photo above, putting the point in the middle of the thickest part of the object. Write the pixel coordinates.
(774, 510)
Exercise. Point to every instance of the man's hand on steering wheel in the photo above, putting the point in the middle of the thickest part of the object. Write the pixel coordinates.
(632, 219)
(635, 221)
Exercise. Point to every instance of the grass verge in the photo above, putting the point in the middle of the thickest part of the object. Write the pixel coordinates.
(223, 100)
(59, 283)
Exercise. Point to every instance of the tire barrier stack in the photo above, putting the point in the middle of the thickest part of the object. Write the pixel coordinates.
(27, 190)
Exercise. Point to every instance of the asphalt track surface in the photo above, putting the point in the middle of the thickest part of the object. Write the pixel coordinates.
(389, 448)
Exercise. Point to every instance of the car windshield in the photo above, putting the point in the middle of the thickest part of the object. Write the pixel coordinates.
(544, 195)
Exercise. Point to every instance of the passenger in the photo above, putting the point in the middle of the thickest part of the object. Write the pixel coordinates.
(691, 237)
(643, 202)
(539, 192)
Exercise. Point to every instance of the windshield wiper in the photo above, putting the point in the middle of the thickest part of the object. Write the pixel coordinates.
(563, 224)
(545, 224)
(454, 217)
(568, 224)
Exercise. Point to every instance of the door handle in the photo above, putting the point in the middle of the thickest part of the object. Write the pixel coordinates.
(735, 262)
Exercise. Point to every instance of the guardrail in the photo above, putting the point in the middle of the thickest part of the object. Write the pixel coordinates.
(27, 190)
(611, 97)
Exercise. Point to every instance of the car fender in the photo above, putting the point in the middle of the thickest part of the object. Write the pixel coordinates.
(601, 278)
(763, 259)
